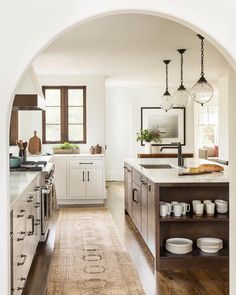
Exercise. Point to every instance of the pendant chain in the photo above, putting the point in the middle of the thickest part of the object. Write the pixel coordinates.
(202, 57)
(181, 69)
(166, 77)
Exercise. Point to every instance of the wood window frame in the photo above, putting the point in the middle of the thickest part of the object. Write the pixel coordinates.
(64, 114)
(13, 135)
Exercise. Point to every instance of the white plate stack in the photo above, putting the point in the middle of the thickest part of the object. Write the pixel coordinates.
(179, 245)
(221, 206)
(209, 245)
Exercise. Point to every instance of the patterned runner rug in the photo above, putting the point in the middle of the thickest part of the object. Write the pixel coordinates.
(89, 258)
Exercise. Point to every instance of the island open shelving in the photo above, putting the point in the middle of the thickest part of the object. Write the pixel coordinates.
(143, 195)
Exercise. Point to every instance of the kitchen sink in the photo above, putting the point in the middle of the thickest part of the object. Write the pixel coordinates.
(156, 166)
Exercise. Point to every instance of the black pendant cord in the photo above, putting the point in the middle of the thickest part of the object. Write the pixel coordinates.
(166, 62)
(181, 51)
(166, 77)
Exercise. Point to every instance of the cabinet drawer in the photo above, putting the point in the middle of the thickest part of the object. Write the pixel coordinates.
(85, 164)
(136, 177)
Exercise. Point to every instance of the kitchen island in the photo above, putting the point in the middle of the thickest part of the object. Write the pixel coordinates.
(146, 187)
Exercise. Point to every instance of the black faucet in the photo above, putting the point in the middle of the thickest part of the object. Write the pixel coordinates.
(176, 145)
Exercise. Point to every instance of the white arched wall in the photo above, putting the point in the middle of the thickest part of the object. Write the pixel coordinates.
(27, 27)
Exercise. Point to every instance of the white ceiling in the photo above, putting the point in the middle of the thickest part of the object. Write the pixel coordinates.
(130, 47)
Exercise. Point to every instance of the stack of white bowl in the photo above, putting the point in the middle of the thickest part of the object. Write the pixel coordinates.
(209, 245)
(179, 245)
(221, 206)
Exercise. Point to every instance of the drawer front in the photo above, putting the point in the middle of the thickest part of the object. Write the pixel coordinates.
(136, 177)
(85, 164)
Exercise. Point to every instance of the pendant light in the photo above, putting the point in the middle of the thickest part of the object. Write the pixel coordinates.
(181, 97)
(202, 91)
(166, 99)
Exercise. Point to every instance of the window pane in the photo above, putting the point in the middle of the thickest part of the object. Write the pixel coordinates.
(53, 132)
(75, 132)
(53, 115)
(53, 97)
(75, 115)
(75, 97)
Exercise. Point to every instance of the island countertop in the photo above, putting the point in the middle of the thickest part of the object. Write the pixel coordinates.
(171, 175)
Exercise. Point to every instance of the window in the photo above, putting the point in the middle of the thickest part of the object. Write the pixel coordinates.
(207, 124)
(13, 128)
(65, 115)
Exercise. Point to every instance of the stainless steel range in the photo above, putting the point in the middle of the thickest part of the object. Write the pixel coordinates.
(48, 199)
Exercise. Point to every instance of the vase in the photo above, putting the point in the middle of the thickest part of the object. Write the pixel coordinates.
(148, 148)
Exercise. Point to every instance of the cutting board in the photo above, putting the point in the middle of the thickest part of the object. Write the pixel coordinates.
(35, 145)
(193, 173)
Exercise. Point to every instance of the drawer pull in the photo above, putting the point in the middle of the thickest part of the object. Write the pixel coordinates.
(86, 163)
(23, 279)
(37, 222)
(134, 199)
(21, 239)
(23, 212)
(23, 261)
(30, 233)
(37, 205)
(83, 175)
(88, 176)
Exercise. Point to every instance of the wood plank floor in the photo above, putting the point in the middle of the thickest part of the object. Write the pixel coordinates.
(161, 283)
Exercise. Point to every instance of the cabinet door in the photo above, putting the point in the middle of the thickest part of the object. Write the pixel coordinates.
(144, 210)
(129, 193)
(126, 188)
(151, 218)
(77, 183)
(137, 206)
(94, 183)
(61, 177)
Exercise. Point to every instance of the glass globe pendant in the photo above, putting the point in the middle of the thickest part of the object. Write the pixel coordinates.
(202, 91)
(181, 97)
(166, 99)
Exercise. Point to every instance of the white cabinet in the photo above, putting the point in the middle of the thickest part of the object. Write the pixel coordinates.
(94, 183)
(60, 177)
(77, 184)
(85, 179)
(25, 221)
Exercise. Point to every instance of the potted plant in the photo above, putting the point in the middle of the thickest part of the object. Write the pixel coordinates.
(148, 136)
(66, 148)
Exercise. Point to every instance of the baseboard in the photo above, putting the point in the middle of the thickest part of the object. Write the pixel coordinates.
(80, 202)
(114, 177)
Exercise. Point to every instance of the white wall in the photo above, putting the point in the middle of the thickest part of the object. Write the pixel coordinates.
(32, 27)
(123, 120)
(224, 118)
(95, 110)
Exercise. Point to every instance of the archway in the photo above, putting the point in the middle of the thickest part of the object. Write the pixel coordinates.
(4, 181)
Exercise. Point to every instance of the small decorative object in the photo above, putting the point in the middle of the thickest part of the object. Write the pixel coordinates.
(181, 97)
(22, 149)
(148, 137)
(170, 126)
(35, 146)
(66, 148)
(202, 91)
(92, 150)
(166, 100)
(98, 149)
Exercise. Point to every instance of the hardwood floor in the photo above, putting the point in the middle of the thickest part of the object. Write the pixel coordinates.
(162, 283)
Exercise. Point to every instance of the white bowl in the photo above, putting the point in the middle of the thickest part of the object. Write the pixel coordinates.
(211, 242)
(209, 250)
(179, 245)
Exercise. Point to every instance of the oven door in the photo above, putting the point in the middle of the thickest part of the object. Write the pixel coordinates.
(46, 208)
